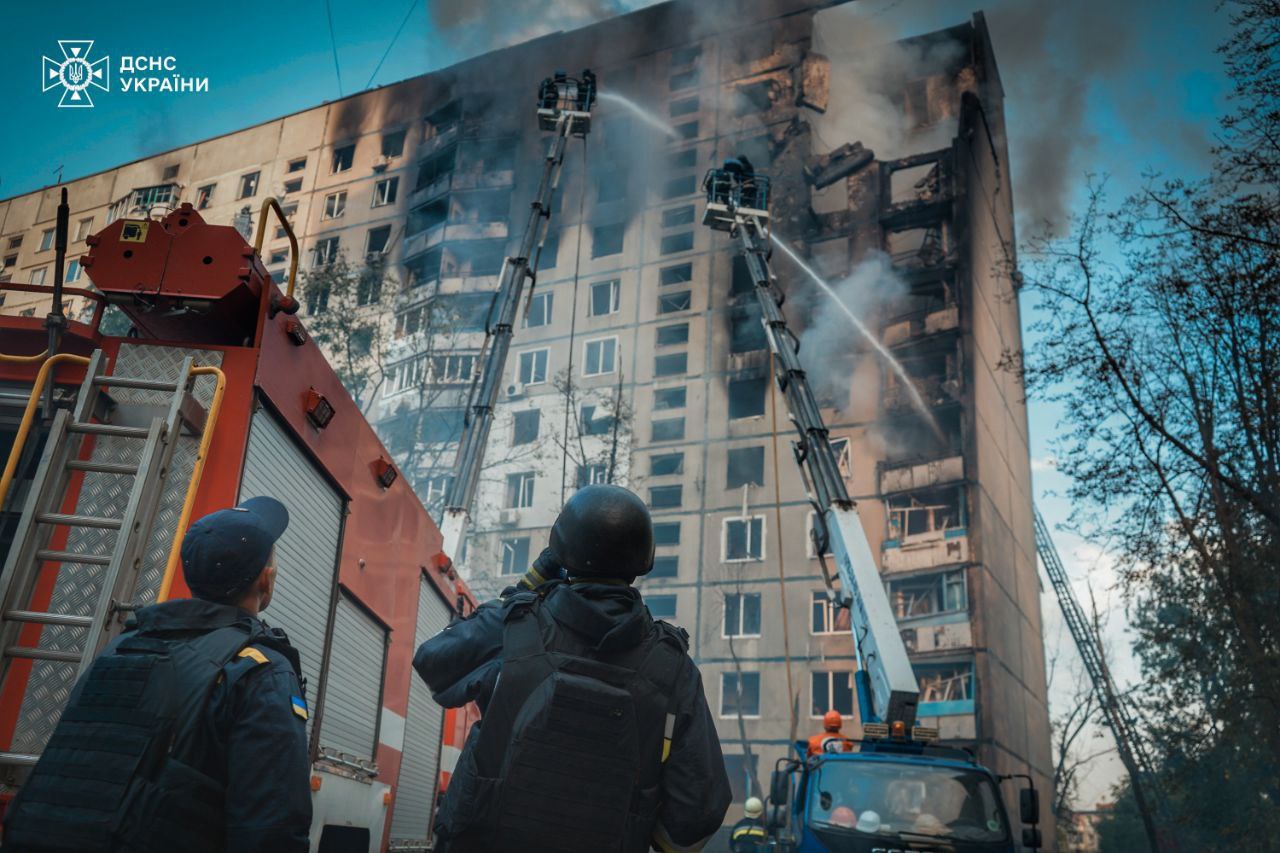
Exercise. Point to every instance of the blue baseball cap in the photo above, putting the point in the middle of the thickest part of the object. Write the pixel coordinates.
(224, 552)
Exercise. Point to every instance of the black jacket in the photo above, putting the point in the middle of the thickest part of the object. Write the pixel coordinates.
(462, 662)
(248, 738)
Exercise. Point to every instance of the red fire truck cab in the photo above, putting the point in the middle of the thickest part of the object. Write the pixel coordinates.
(253, 409)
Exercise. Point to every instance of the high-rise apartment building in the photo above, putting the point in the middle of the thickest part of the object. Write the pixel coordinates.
(639, 356)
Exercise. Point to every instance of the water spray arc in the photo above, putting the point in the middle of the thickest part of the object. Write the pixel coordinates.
(647, 116)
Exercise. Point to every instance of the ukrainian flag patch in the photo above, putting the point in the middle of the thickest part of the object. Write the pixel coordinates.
(299, 706)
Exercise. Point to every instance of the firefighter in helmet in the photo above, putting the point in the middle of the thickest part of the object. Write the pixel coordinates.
(598, 736)
(749, 834)
(189, 730)
(830, 739)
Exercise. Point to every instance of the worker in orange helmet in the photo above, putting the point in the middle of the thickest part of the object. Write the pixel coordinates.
(830, 739)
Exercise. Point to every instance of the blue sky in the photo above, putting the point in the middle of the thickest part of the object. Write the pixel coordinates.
(1091, 87)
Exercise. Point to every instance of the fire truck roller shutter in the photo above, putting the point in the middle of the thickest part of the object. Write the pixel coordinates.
(416, 788)
(307, 553)
(353, 690)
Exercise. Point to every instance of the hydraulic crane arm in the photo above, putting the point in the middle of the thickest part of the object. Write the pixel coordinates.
(737, 202)
(564, 107)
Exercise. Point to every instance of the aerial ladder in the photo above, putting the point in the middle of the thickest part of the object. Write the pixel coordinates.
(886, 686)
(564, 109)
(895, 751)
(1133, 754)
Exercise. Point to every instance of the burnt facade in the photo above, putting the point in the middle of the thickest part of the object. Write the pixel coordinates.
(639, 356)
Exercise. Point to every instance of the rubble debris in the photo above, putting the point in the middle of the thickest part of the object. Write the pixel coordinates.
(826, 169)
(815, 82)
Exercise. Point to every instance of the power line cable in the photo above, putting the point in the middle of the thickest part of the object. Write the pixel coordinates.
(413, 4)
(333, 43)
(573, 328)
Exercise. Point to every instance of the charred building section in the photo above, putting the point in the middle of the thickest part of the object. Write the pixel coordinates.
(639, 356)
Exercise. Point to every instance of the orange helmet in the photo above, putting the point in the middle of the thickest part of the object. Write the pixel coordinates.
(832, 721)
(843, 815)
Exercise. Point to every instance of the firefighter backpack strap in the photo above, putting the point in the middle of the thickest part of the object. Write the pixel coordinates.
(663, 666)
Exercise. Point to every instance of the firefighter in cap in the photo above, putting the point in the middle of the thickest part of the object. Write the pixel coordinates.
(830, 740)
(188, 733)
(597, 736)
(749, 834)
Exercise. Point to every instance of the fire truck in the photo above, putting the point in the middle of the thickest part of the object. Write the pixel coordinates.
(115, 443)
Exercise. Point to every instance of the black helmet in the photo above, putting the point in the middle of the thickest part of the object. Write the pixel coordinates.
(604, 531)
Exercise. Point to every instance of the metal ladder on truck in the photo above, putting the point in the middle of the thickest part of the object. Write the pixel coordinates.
(156, 429)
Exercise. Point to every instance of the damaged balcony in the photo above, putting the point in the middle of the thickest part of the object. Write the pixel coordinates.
(480, 215)
(465, 260)
(934, 367)
(915, 191)
(920, 251)
(922, 475)
(928, 308)
(927, 529)
(482, 166)
(933, 611)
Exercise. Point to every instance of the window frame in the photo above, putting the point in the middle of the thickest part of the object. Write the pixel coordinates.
(739, 676)
(741, 635)
(336, 156)
(545, 352)
(335, 205)
(615, 297)
(248, 179)
(764, 538)
(586, 358)
(545, 298)
(385, 191)
(830, 674)
(524, 483)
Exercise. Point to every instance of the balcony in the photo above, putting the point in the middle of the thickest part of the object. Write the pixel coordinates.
(922, 475)
(927, 322)
(923, 639)
(446, 232)
(947, 548)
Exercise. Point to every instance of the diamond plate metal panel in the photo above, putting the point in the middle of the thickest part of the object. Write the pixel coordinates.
(77, 587)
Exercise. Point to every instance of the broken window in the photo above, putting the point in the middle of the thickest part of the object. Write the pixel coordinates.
(944, 682)
(376, 241)
(384, 191)
(550, 249)
(742, 281)
(664, 566)
(934, 371)
(428, 216)
(524, 426)
(599, 356)
(607, 240)
(482, 257)
(249, 185)
(591, 422)
(335, 205)
(757, 97)
(462, 312)
(343, 156)
(671, 335)
(675, 275)
(926, 595)
(745, 465)
(515, 555)
(673, 243)
(741, 614)
(393, 143)
(826, 617)
(297, 164)
(294, 186)
(671, 302)
(746, 331)
(926, 514)
(668, 429)
(661, 606)
(604, 298)
(666, 533)
(920, 183)
(675, 364)
(746, 397)
(520, 489)
(425, 268)
(539, 313)
(665, 497)
(325, 252)
(739, 697)
(533, 367)
(811, 520)
(683, 107)
(489, 206)
(831, 691)
(443, 120)
(665, 464)
(290, 210)
(436, 166)
(673, 216)
(683, 185)
(593, 474)
(204, 196)
(742, 539)
(683, 80)
(917, 248)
